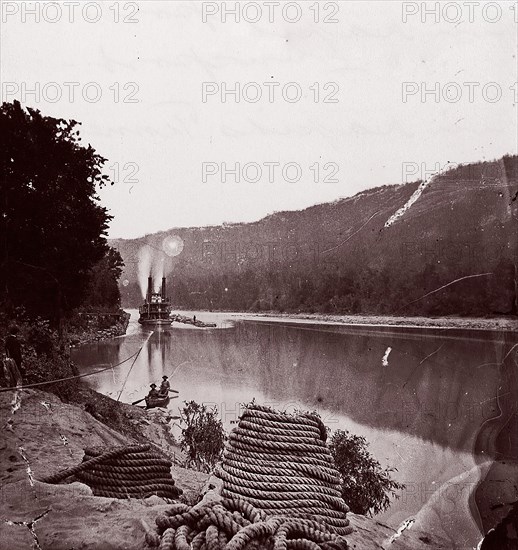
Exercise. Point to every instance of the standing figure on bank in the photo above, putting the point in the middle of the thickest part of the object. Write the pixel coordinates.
(13, 365)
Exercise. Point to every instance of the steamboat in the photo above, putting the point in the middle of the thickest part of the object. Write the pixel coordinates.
(156, 310)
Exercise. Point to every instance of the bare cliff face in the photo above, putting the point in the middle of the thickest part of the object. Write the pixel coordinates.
(42, 435)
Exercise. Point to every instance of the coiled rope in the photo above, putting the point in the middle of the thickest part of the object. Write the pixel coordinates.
(281, 464)
(235, 524)
(124, 472)
(281, 491)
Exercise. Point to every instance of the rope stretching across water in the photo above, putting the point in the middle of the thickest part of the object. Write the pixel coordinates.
(48, 382)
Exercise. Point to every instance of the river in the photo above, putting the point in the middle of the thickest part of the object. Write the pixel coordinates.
(438, 405)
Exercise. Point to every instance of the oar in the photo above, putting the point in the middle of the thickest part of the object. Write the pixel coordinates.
(174, 390)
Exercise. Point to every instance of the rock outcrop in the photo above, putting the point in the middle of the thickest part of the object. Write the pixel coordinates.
(42, 435)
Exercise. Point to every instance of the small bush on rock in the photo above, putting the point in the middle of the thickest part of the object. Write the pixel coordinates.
(203, 437)
(366, 486)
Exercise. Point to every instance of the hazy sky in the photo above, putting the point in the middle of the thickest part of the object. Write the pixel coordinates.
(150, 114)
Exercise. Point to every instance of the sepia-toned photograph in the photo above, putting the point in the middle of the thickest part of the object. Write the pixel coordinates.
(258, 275)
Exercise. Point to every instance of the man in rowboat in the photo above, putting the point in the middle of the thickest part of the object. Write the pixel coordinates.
(164, 387)
(153, 392)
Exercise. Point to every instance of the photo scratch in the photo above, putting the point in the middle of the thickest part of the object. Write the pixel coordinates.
(384, 361)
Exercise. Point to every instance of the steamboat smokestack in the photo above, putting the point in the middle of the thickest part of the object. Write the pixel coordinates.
(149, 288)
(163, 288)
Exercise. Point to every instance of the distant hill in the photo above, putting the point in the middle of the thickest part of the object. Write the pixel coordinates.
(363, 254)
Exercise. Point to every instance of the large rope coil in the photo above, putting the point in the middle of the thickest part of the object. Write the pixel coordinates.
(281, 491)
(123, 472)
(280, 463)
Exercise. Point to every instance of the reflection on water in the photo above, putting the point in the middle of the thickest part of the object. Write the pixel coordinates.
(439, 411)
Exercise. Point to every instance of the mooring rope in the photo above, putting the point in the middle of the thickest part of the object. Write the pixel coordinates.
(131, 367)
(46, 383)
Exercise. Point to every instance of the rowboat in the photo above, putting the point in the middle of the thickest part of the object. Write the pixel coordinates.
(152, 402)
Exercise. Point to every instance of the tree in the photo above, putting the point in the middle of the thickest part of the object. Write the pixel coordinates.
(366, 486)
(103, 289)
(53, 227)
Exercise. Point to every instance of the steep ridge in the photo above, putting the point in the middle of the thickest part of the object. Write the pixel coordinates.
(343, 257)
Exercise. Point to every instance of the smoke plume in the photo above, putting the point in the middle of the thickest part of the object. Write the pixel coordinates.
(145, 260)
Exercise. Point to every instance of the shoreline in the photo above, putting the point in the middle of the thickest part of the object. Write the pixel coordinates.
(508, 324)
(462, 323)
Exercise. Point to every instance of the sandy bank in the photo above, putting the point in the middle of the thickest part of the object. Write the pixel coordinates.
(463, 323)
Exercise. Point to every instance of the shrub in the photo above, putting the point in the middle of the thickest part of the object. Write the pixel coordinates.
(366, 486)
(203, 437)
(42, 356)
(41, 337)
(41, 368)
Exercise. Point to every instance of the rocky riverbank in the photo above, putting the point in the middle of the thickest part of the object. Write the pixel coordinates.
(43, 435)
(100, 326)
